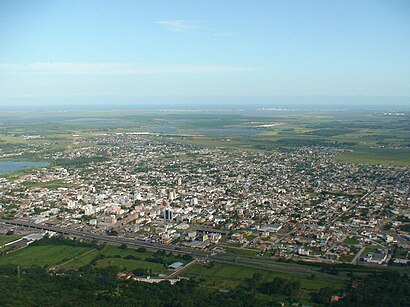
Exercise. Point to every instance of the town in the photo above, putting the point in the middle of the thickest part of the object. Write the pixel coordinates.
(282, 204)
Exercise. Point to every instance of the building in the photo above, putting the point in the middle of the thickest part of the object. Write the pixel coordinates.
(175, 265)
(168, 214)
(378, 258)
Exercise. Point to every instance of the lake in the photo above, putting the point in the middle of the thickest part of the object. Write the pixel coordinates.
(14, 166)
(228, 131)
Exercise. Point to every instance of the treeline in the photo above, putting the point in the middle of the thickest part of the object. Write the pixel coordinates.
(164, 258)
(277, 287)
(101, 287)
(91, 286)
(61, 240)
(378, 290)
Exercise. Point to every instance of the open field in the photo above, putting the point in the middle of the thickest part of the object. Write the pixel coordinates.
(248, 130)
(228, 276)
(47, 255)
(351, 240)
(4, 239)
(395, 157)
(53, 184)
(241, 251)
(80, 261)
(75, 257)
(130, 265)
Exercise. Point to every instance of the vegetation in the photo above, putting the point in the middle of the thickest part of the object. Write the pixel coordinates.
(43, 255)
(374, 138)
(397, 157)
(4, 239)
(383, 289)
(73, 254)
(33, 286)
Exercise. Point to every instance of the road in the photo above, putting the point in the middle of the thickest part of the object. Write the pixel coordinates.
(108, 239)
(354, 260)
(133, 243)
(178, 271)
(73, 259)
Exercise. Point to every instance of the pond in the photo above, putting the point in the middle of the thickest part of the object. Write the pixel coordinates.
(14, 166)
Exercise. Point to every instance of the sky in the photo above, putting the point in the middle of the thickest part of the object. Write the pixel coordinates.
(147, 51)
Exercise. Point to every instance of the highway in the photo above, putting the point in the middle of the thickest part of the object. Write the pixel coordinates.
(108, 239)
(226, 258)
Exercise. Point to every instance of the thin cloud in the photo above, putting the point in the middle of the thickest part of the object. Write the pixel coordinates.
(225, 34)
(116, 69)
(179, 25)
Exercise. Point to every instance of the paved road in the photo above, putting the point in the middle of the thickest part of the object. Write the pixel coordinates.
(108, 239)
(133, 243)
(178, 271)
(354, 260)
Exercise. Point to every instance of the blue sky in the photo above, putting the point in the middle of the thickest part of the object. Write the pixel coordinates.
(135, 51)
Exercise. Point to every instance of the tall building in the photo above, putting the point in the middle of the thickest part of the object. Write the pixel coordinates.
(168, 214)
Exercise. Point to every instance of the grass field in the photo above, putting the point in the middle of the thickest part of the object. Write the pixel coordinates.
(47, 255)
(130, 265)
(241, 251)
(351, 240)
(396, 157)
(53, 184)
(115, 256)
(74, 257)
(81, 260)
(228, 276)
(4, 239)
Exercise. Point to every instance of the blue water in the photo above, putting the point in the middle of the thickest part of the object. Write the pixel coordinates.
(162, 129)
(14, 166)
(204, 131)
(227, 131)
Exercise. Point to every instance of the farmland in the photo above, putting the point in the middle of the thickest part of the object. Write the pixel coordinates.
(374, 136)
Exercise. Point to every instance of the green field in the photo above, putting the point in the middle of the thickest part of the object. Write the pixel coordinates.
(130, 265)
(4, 239)
(229, 276)
(395, 157)
(115, 256)
(53, 184)
(47, 255)
(67, 257)
(241, 251)
(372, 135)
(351, 240)
(81, 260)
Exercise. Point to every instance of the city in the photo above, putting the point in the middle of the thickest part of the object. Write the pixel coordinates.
(296, 204)
(205, 153)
